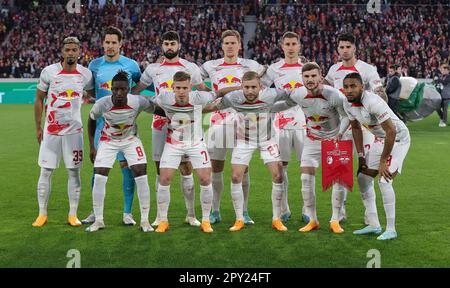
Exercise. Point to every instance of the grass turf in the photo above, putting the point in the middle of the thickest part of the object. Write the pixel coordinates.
(422, 194)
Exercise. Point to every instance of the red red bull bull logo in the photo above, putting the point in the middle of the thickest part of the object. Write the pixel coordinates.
(106, 85)
(316, 118)
(229, 80)
(69, 94)
(292, 85)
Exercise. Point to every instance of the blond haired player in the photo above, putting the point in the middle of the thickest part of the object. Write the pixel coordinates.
(255, 132)
(226, 73)
(183, 108)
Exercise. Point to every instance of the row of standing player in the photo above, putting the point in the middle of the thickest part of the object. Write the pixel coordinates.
(223, 73)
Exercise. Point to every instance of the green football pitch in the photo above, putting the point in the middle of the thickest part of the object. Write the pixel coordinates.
(422, 197)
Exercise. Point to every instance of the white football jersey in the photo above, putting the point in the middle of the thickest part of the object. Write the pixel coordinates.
(64, 98)
(224, 75)
(120, 122)
(369, 75)
(288, 77)
(254, 119)
(161, 75)
(184, 122)
(322, 112)
(371, 112)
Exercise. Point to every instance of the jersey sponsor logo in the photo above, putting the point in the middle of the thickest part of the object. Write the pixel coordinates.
(69, 94)
(106, 85)
(316, 118)
(229, 80)
(292, 85)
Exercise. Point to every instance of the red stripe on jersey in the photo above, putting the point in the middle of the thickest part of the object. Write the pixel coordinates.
(320, 96)
(254, 103)
(181, 105)
(350, 68)
(172, 64)
(295, 65)
(230, 64)
(357, 105)
(120, 108)
(63, 72)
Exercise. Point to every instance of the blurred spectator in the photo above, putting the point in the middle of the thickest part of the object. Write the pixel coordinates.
(444, 82)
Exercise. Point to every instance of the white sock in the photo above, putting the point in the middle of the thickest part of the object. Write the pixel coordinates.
(246, 189)
(387, 191)
(156, 187)
(163, 198)
(277, 192)
(206, 196)
(238, 200)
(337, 200)
(73, 190)
(217, 185)
(98, 195)
(284, 198)
(366, 186)
(309, 195)
(187, 185)
(143, 192)
(43, 189)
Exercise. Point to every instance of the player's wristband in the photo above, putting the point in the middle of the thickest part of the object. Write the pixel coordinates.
(361, 155)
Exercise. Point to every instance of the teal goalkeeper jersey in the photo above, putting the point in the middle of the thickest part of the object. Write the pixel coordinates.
(103, 72)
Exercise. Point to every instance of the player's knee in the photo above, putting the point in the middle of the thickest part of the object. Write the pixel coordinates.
(204, 180)
(236, 178)
(101, 171)
(164, 180)
(185, 168)
(46, 173)
(277, 177)
(139, 170)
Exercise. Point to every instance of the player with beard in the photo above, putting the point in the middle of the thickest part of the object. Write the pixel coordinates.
(161, 76)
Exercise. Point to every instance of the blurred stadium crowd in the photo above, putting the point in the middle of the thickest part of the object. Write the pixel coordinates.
(411, 34)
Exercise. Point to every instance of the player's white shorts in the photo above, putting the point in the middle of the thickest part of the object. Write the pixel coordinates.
(158, 143)
(221, 138)
(312, 153)
(368, 138)
(132, 149)
(243, 152)
(173, 154)
(395, 160)
(70, 147)
(290, 139)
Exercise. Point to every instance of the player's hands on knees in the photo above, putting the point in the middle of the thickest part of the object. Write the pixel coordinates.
(383, 170)
(39, 135)
(92, 154)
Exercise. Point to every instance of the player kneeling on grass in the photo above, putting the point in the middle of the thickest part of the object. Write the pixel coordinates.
(255, 132)
(183, 108)
(119, 134)
(386, 155)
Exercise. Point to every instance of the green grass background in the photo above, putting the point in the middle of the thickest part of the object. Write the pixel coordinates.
(423, 212)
